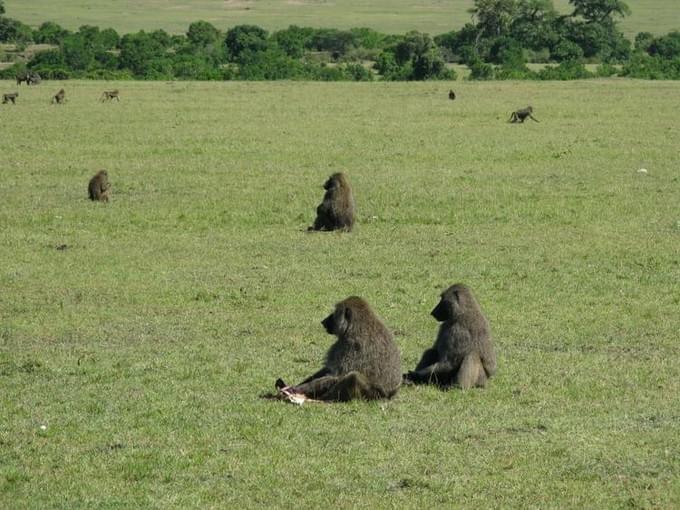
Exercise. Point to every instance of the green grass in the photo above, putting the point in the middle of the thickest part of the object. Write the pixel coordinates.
(390, 16)
(144, 347)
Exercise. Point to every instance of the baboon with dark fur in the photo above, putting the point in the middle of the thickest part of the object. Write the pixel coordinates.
(59, 97)
(364, 362)
(452, 95)
(109, 95)
(99, 187)
(337, 210)
(6, 98)
(463, 353)
(521, 115)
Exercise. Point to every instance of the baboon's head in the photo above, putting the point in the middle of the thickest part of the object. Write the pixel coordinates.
(348, 313)
(334, 181)
(453, 303)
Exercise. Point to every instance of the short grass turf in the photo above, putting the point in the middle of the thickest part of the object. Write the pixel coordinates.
(390, 16)
(133, 360)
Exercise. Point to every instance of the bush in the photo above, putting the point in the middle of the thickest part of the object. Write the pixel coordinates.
(480, 70)
(651, 68)
(606, 71)
(667, 46)
(569, 70)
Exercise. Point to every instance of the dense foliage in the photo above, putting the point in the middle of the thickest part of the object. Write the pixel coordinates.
(497, 44)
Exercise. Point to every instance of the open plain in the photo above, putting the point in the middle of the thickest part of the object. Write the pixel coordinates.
(137, 336)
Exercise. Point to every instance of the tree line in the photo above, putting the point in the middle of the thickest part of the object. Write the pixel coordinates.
(501, 38)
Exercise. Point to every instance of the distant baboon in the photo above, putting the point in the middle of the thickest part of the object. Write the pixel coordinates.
(521, 115)
(59, 97)
(99, 187)
(364, 362)
(6, 98)
(463, 353)
(109, 95)
(337, 209)
(452, 95)
(21, 77)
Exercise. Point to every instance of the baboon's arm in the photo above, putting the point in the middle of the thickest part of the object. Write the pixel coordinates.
(321, 373)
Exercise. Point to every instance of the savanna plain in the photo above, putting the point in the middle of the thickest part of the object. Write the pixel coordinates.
(133, 360)
(389, 16)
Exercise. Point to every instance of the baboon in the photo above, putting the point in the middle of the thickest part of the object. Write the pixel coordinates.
(463, 353)
(336, 211)
(452, 95)
(21, 78)
(521, 115)
(99, 187)
(59, 97)
(6, 98)
(109, 95)
(364, 362)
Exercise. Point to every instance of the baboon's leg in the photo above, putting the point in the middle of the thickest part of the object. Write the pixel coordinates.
(430, 357)
(352, 386)
(471, 372)
(532, 118)
(440, 373)
(316, 388)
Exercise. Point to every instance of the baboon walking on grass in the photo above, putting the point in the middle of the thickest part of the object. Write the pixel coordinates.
(109, 95)
(463, 353)
(6, 98)
(337, 210)
(364, 362)
(99, 187)
(521, 115)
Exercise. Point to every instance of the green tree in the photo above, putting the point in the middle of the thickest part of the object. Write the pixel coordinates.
(599, 11)
(494, 17)
(78, 53)
(50, 33)
(202, 34)
(138, 52)
(245, 38)
(2, 7)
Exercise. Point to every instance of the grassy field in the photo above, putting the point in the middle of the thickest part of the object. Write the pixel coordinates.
(132, 362)
(390, 16)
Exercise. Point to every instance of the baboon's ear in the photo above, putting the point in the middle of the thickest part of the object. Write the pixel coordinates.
(348, 314)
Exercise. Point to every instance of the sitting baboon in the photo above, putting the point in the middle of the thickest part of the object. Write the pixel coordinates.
(452, 95)
(6, 98)
(21, 77)
(336, 211)
(463, 353)
(99, 187)
(59, 97)
(109, 95)
(364, 362)
(521, 115)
